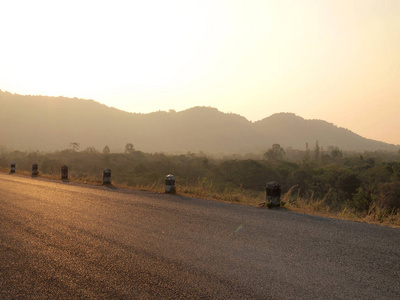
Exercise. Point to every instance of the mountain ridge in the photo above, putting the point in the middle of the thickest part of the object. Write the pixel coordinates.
(52, 123)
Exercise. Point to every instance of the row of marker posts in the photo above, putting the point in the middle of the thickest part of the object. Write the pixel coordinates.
(272, 190)
(169, 179)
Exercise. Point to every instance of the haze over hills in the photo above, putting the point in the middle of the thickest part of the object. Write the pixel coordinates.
(52, 123)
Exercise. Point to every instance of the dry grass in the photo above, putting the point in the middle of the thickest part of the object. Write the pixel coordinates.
(306, 205)
(232, 195)
(317, 206)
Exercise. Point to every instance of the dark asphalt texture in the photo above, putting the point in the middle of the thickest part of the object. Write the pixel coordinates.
(64, 240)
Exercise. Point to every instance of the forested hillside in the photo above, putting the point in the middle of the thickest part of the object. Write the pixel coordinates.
(53, 123)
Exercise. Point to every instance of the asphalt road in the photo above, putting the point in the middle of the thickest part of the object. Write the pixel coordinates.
(63, 240)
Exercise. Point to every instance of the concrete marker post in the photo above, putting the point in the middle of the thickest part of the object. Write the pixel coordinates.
(170, 184)
(64, 173)
(35, 171)
(273, 194)
(106, 176)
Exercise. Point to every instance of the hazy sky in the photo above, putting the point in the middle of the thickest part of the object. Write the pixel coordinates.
(325, 59)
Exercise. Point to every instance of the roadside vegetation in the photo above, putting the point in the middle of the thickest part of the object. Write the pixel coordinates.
(356, 186)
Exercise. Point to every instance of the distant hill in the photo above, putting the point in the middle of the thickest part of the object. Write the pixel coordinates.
(52, 123)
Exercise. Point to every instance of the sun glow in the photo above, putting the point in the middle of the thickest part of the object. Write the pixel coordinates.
(319, 59)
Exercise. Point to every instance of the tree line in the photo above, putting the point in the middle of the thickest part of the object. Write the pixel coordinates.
(360, 181)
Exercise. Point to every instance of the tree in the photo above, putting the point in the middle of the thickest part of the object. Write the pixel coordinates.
(91, 149)
(336, 153)
(307, 155)
(348, 182)
(106, 150)
(275, 153)
(316, 150)
(75, 146)
(129, 148)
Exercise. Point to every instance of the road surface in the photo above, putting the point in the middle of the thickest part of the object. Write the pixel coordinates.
(64, 240)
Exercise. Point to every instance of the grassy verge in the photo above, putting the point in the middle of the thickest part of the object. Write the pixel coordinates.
(290, 200)
(318, 206)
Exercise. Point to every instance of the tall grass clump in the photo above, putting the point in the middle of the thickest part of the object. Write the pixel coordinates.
(375, 212)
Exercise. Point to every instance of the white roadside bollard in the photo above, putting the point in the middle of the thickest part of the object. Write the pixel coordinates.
(170, 184)
(107, 176)
(12, 167)
(35, 171)
(273, 194)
